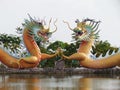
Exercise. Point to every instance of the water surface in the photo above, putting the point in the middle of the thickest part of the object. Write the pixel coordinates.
(58, 82)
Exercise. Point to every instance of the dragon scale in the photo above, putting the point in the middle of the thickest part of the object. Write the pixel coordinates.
(27, 62)
(86, 32)
(31, 28)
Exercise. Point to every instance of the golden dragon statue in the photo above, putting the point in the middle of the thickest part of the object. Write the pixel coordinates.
(86, 32)
(31, 29)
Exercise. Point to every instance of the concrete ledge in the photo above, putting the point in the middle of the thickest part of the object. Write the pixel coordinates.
(50, 70)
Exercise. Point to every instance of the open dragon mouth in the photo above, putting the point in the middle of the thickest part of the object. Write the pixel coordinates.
(44, 36)
(80, 35)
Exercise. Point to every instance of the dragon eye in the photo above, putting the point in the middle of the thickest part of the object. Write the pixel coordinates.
(80, 32)
(40, 23)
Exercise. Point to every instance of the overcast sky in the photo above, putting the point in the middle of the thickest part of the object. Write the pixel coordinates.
(13, 13)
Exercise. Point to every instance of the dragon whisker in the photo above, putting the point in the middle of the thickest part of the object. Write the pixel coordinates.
(68, 25)
(49, 23)
(55, 26)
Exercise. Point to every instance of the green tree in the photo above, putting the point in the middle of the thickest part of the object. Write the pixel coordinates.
(102, 48)
(10, 42)
(50, 49)
(68, 50)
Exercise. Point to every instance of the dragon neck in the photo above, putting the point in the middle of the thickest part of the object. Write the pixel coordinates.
(30, 43)
(85, 46)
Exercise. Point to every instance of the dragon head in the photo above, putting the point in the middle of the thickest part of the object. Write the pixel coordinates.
(38, 29)
(85, 30)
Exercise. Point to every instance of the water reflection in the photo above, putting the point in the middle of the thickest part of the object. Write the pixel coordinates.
(46, 82)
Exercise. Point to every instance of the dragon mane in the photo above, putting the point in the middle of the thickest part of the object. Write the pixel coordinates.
(86, 30)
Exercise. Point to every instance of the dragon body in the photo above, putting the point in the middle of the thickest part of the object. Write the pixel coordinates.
(31, 29)
(87, 32)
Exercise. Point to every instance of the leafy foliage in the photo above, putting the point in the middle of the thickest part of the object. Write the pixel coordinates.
(68, 50)
(10, 42)
(57, 44)
(102, 48)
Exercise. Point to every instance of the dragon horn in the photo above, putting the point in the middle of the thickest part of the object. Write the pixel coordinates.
(68, 25)
(49, 23)
(55, 26)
